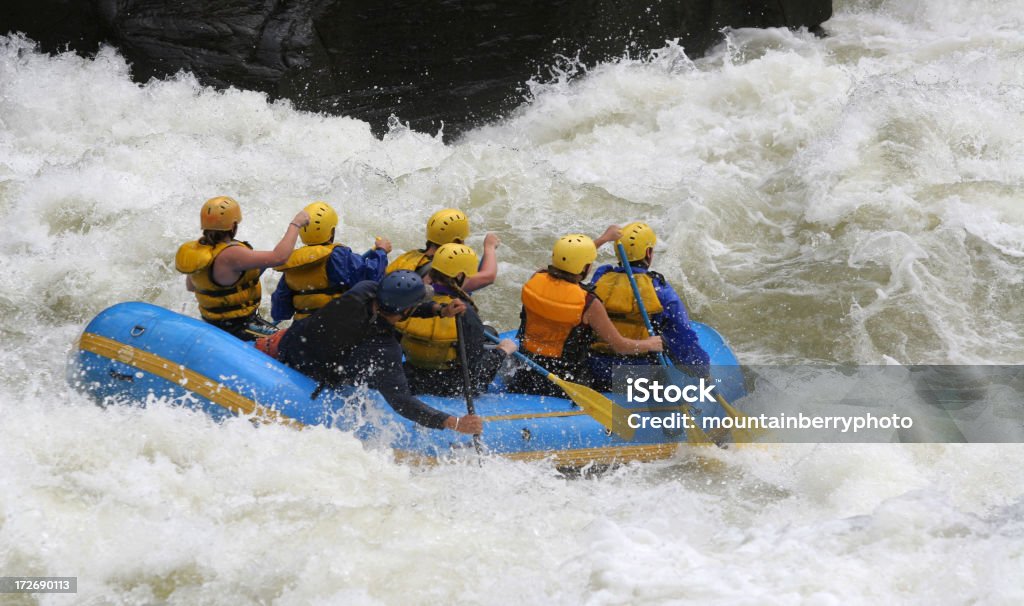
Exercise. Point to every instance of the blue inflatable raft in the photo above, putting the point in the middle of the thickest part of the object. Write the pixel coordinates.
(132, 352)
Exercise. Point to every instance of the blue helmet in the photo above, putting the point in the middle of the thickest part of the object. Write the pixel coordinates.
(400, 290)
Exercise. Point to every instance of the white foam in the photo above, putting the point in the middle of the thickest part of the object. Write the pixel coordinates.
(851, 198)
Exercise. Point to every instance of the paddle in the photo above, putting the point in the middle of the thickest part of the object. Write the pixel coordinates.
(604, 411)
(694, 434)
(467, 390)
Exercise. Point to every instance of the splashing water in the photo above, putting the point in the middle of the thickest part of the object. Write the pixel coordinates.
(853, 198)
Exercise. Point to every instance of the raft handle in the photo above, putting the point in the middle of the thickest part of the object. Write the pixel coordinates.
(121, 376)
(138, 330)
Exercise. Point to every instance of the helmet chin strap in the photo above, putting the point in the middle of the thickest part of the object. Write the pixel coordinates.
(379, 311)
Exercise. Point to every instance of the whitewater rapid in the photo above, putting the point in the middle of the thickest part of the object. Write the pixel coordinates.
(852, 198)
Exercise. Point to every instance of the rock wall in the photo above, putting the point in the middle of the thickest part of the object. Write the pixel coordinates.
(458, 61)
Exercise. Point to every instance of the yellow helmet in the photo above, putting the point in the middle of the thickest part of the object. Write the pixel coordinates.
(636, 238)
(220, 214)
(447, 225)
(573, 253)
(322, 221)
(453, 259)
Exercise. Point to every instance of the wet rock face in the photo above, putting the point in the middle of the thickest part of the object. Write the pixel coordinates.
(462, 62)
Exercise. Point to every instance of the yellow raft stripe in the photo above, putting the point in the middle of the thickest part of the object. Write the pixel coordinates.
(216, 392)
(612, 454)
(579, 457)
(206, 387)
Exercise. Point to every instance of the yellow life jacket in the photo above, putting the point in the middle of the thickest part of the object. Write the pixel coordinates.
(217, 302)
(430, 342)
(413, 260)
(552, 310)
(305, 273)
(614, 290)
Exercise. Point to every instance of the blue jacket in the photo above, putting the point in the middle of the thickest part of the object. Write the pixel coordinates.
(343, 267)
(682, 344)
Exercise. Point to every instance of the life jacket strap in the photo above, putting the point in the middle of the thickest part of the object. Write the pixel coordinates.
(221, 292)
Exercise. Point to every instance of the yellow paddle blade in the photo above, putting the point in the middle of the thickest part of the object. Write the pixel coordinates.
(609, 414)
(739, 418)
(695, 435)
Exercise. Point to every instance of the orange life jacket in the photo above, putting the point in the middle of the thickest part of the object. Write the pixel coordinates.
(552, 314)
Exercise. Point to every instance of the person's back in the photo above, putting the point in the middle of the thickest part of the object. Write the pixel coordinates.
(663, 305)
(322, 269)
(431, 344)
(224, 273)
(322, 346)
(560, 319)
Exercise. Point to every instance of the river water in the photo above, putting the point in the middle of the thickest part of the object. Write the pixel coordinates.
(854, 198)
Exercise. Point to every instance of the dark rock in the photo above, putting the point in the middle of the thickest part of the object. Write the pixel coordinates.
(462, 62)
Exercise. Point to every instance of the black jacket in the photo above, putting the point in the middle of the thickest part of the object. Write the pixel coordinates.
(345, 343)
